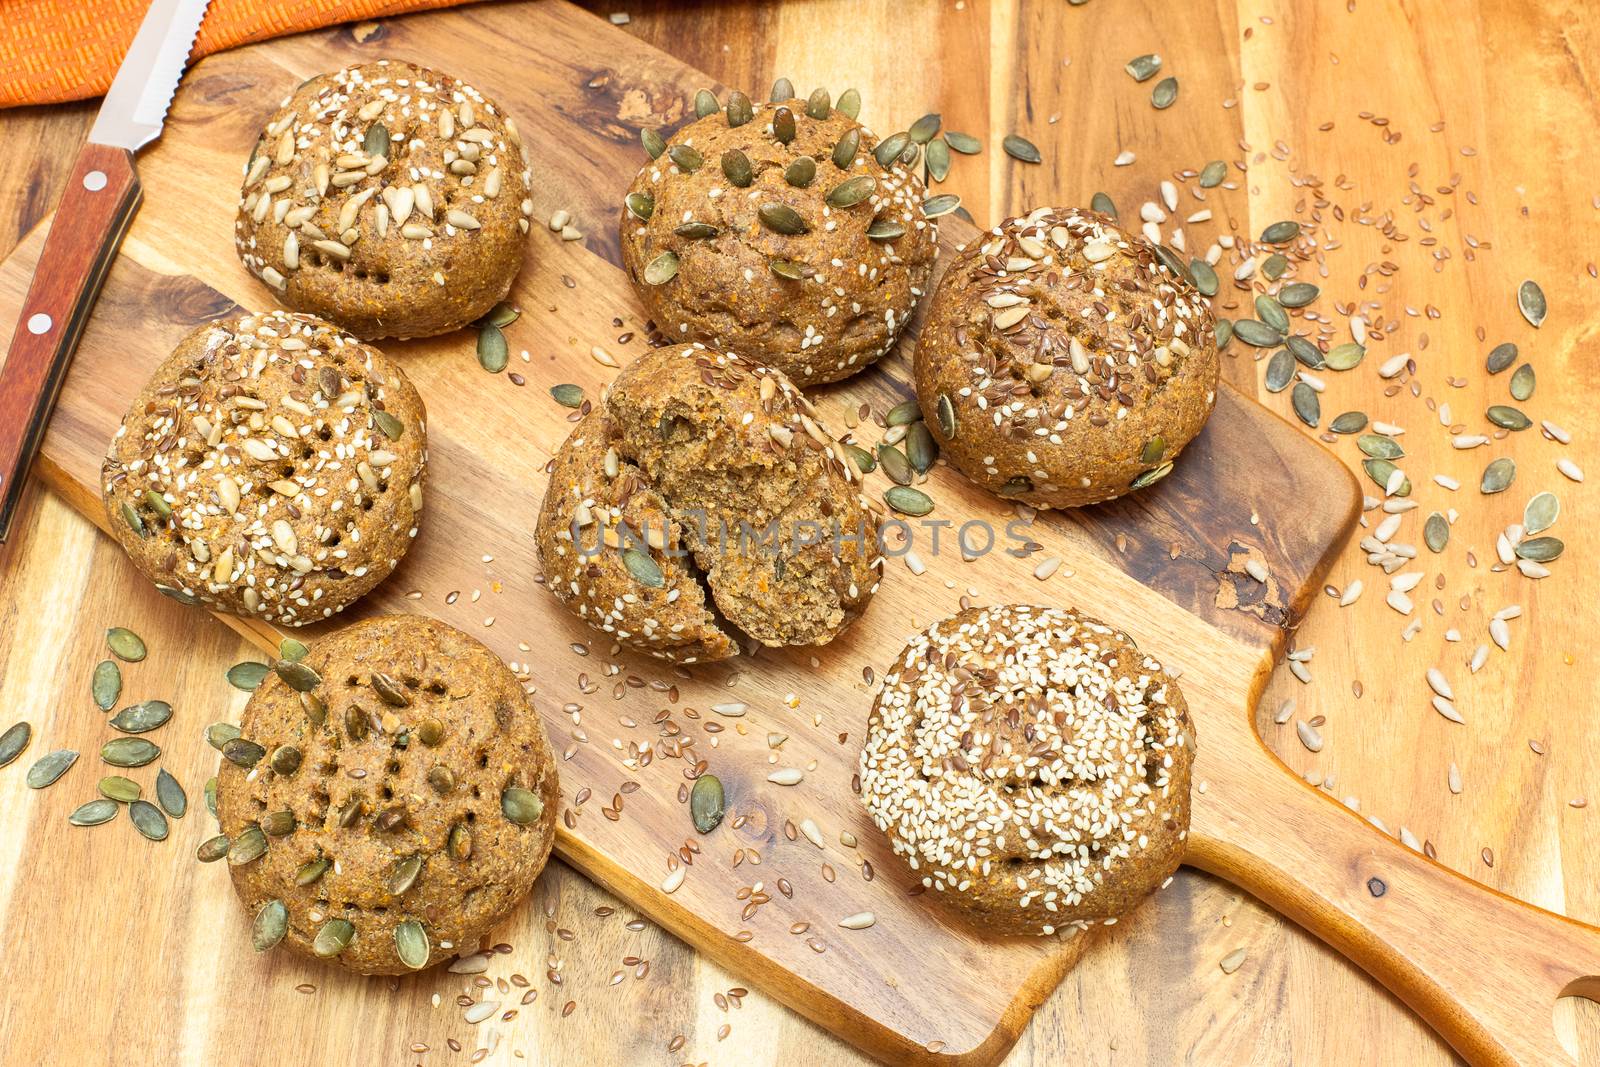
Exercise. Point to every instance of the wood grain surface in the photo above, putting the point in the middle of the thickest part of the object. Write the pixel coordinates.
(1161, 965)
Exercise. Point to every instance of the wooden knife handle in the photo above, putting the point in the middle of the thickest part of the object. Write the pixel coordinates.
(102, 194)
(1482, 968)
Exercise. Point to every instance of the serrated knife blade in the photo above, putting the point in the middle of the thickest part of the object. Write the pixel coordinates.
(137, 102)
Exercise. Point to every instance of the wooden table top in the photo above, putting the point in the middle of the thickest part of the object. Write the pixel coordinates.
(1451, 142)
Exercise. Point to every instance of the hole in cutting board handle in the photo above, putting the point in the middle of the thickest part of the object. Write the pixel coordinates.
(1576, 1017)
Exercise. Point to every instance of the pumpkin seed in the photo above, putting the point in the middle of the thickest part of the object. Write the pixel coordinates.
(923, 129)
(1501, 356)
(781, 218)
(1531, 302)
(403, 874)
(131, 517)
(789, 269)
(1306, 404)
(93, 813)
(567, 395)
(49, 768)
(705, 103)
(286, 760)
(783, 129)
(177, 594)
(740, 110)
(311, 871)
(355, 723)
(1280, 371)
(1143, 68)
(391, 427)
(1297, 294)
(844, 151)
(1280, 232)
(782, 89)
(661, 270)
(862, 458)
(945, 412)
(885, 230)
(1345, 357)
(1269, 311)
(908, 501)
(889, 149)
(1154, 450)
(801, 172)
(460, 843)
(1305, 352)
(1165, 94)
(706, 803)
(1205, 279)
(1522, 382)
(852, 191)
(645, 570)
(293, 650)
(212, 849)
(653, 143)
(141, 718)
(1103, 203)
(943, 204)
(250, 845)
(390, 690)
(125, 644)
(242, 752)
(818, 104)
(297, 676)
(334, 937)
(964, 143)
(1539, 549)
(1349, 422)
(685, 158)
(211, 795)
(493, 354)
(1224, 332)
(737, 169)
(1436, 532)
(920, 448)
(895, 465)
(1498, 476)
(1378, 446)
(1507, 417)
(106, 684)
(521, 806)
(1151, 477)
(270, 925)
(170, 795)
(850, 103)
(640, 205)
(1212, 173)
(116, 787)
(376, 142)
(1541, 513)
(278, 823)
(1021, 148)
(158, 504)
(431, 732)
(14, 741)
(411, 944)
(220, 733)
(1380, 471)
(148, 820)
(129, 752)
(1258, 334)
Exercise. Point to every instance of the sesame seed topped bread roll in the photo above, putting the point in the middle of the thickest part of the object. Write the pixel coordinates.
(388, 198)
(272, 467)
(1032, 767)
(1064, 361)
(774, 231)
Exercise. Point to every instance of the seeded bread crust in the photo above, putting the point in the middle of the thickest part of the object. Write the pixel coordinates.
(388, 198)
(381, 779)
(272, 467)
(1063, 362)
(1032, 767)
(723, 446)
(856, 293)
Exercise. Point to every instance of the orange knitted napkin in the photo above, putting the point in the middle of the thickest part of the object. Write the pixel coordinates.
(55, 50)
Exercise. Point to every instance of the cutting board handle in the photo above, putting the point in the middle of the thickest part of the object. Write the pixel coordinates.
(1482, 968)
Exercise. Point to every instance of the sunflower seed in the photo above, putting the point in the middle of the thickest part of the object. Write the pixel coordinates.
(861, 920)
(116, 787)
(140, 718)
(1306, 404)
(1280, 232)
(1103, 204)
(521, 806)
(1498, 476)
(93, 813)
(783, 128)
(1143, 68)
(1539, 549)
(661, 270)
(1258, 334)
(706, 803)
(148, 820)
(567, 395)
(850, 103)
(1280, 371)
(333, 938)
(1165, 94)
(1021, 148)
(964, 143)
(403, 874)
(705, 103)
(943, 204)
(297, 676)
(125, 644)
(49, 768)
(781, 218)
(1436, 532)
(243, 752)
(908, 501)
(493, 354)
(1541, 513)
(106, 684)
(1531, 302)
(170, 795)
(1522, 382)
(1378, 446)
(1309, 736)
(890, 147)
(1349, 422)
(1297, 294)
(739, 110)
(270, 925)
(852, 191)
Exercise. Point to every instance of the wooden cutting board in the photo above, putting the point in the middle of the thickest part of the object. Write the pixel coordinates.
(1168, 565)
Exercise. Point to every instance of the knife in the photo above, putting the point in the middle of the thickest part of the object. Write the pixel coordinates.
(102, 195)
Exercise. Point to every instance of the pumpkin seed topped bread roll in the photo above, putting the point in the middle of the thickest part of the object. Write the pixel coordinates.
(1064, 361)
(388, 198)
(272, 467)
(700, 501)
(387, 800)
(774, 231)
(1031, 766)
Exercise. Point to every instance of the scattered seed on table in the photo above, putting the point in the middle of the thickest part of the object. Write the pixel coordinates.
(49, 768)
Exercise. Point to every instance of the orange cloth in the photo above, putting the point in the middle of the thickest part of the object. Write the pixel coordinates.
(55, 50)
